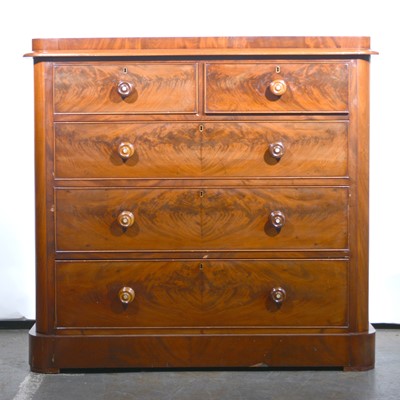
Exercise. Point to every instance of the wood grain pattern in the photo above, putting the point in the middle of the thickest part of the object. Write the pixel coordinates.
(244, 87)
(157, 88)
(208, 53)
(164, 219)
(180, 219)
(165, 150)
(52, 352)
(238, 218)
(360, 149)
(44, 222)
(241, 149)
(226, 149)
(189, 293)
(220, 43)
(201, 46)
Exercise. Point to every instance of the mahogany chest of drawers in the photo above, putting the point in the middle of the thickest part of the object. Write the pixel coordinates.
(202, 202)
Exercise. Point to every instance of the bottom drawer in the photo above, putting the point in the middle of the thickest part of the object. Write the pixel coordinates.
(233, 293)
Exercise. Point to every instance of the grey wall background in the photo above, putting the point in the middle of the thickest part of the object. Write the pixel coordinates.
(20, 21)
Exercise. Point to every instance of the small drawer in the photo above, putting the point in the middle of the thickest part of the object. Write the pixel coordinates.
(130, 88)
(275, 149)
(276, 87)
(250, 293)
(127, 150)
(277, 218)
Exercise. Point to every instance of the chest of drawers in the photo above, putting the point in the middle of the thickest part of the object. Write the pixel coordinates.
(202, 202)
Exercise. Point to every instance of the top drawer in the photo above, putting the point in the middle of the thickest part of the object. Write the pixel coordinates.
(276, 87)
(133, 88)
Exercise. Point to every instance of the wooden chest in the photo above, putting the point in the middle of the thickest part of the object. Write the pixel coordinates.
(202, 202)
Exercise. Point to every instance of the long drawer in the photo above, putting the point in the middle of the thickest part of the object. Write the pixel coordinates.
(126, 88)
(223, 149)
(276, 87)
(128, 219)
(286, 293)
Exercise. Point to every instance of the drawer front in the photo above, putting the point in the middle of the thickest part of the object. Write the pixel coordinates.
(226, 149)
(246, 87)
(212, 294)
(97, 219)
(210, 219)
(128, 150)
(311, 218)
(281, 149)
(126, 88)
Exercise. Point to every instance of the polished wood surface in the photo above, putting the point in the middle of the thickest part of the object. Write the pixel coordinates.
(352, 352)
(201, 294)
(242, 149)
(161, 150)
(155, 88)
(190, 219)
(316, 218)
(184, 46)
(225, 149)
(164, 219)
(198, 195)
(172, 43)
(246, 87)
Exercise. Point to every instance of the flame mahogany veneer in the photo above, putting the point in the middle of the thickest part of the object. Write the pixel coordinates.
(202, 202)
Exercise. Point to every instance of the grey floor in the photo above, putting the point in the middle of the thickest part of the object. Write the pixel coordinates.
(17, 383)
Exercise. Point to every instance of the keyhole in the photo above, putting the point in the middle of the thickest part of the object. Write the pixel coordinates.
(124, 70)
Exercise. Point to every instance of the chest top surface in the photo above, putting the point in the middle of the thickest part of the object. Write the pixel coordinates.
(190, 46)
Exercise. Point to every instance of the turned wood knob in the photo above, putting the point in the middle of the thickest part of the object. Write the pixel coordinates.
(124, 88)
(277, 219)
(278, 87)
(278, 295)
(126, 150)
(126, 295)
(126, 219)
(277, 150)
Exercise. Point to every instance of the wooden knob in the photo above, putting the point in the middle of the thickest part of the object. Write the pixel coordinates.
(278, 295)
(124, 89)
(277, 150)
(126, 219)
(126, 295)
(277, 219)
(126, 150)
(278, 87)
